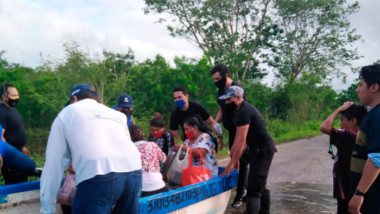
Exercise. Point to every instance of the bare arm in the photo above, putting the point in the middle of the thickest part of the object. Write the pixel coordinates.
(210, 121)
(369, 175)
(195, 151)
(219, 115)
(238, 147)
(2, 136)
(175, 136)
(326, 126)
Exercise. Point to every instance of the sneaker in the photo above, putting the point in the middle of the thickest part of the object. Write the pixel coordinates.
(237, 203)
(37, 172)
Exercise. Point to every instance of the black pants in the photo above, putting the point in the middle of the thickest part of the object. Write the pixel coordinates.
(258, 173)
(243, 167)
(342, 206)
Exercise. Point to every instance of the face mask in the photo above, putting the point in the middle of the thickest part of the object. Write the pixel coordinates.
(189, 135)
(231, 105)
(221, 83)
(180, 103)
(127, 112)
(12, 102)
(158, 134)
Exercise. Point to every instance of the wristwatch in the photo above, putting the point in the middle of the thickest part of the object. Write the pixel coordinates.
(357, 192)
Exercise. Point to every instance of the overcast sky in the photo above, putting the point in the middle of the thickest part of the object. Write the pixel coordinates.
(30, 28)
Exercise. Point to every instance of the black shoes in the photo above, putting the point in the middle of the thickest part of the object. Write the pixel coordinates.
(239, 200)
(37, 172)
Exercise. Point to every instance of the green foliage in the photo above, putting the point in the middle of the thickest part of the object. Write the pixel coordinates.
(227, 31)
(317, 38)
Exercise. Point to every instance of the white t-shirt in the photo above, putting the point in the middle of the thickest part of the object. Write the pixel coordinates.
(204, 141)
(94, 138)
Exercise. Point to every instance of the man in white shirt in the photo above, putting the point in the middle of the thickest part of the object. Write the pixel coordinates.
(96, 140)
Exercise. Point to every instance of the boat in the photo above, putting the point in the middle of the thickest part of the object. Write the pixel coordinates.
(208, 197)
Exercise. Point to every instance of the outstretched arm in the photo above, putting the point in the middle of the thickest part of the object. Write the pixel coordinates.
(237, 149)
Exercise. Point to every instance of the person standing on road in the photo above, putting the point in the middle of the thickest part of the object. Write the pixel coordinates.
(220, 74)
(251, 130)
(344, 138)
(13, 130)
(365, 160)
(96, 140)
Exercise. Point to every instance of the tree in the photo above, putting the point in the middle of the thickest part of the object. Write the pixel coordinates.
(227, 31)
(316, 38)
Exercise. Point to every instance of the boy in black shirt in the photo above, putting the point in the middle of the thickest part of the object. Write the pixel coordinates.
(344, 138)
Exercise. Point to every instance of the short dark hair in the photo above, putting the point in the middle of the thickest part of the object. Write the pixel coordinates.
(370, 74)
(134, 132)
(221, 68)
(180, 88)
(355, 111)
(157, 122)
(5, 88)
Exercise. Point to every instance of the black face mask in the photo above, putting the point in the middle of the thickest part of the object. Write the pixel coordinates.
(127, 112)
(231, 106)
(12, 102)
(221, 83)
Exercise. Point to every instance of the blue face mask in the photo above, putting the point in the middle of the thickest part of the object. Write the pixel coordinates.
(180, 103)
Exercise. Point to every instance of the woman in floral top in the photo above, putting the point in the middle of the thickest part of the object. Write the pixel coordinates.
(201, 144)
(151, 157)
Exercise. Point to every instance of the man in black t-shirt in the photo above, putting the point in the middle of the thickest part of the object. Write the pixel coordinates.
(13, 130)
(251, 131)
(186, 108)
(220, 74)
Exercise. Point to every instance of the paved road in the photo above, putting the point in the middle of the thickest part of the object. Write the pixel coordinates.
(300, 178)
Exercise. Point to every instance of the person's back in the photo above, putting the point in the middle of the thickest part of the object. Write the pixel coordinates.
(100, 135)
(96, 140)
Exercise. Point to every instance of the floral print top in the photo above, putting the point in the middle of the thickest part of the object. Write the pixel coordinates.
(151, 156)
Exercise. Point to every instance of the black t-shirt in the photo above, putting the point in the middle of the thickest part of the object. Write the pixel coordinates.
(178, 116)
(227, 109)
(258, 138)
(11, 121)
(344, 141)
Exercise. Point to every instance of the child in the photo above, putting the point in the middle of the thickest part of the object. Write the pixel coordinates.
(351, 116)
(151, 157)
(365, 160)
(160, 136)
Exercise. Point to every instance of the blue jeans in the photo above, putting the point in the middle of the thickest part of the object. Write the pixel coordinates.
(109, 193)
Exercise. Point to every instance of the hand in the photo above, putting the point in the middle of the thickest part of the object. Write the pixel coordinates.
(25, 151)
(346, 105)
(229, 168)
(176, 147)
(355, 204)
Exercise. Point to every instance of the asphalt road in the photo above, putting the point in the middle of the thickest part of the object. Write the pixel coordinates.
(300, 178)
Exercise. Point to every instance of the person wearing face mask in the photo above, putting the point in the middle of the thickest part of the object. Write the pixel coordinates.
(201, 144)
(160, 136)
(186, 108)
(13, 130)
(125, 105)
(220, 74)
(251, 131)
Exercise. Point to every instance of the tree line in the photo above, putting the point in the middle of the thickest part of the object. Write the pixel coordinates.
(44, 90)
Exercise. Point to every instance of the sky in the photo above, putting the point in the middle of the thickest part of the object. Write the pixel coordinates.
(34, 30)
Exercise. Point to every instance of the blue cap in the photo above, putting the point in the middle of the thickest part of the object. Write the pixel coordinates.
(234, 90)
(80, 88)
(125, 101)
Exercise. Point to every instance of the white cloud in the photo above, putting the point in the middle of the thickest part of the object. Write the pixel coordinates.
(31, 27)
